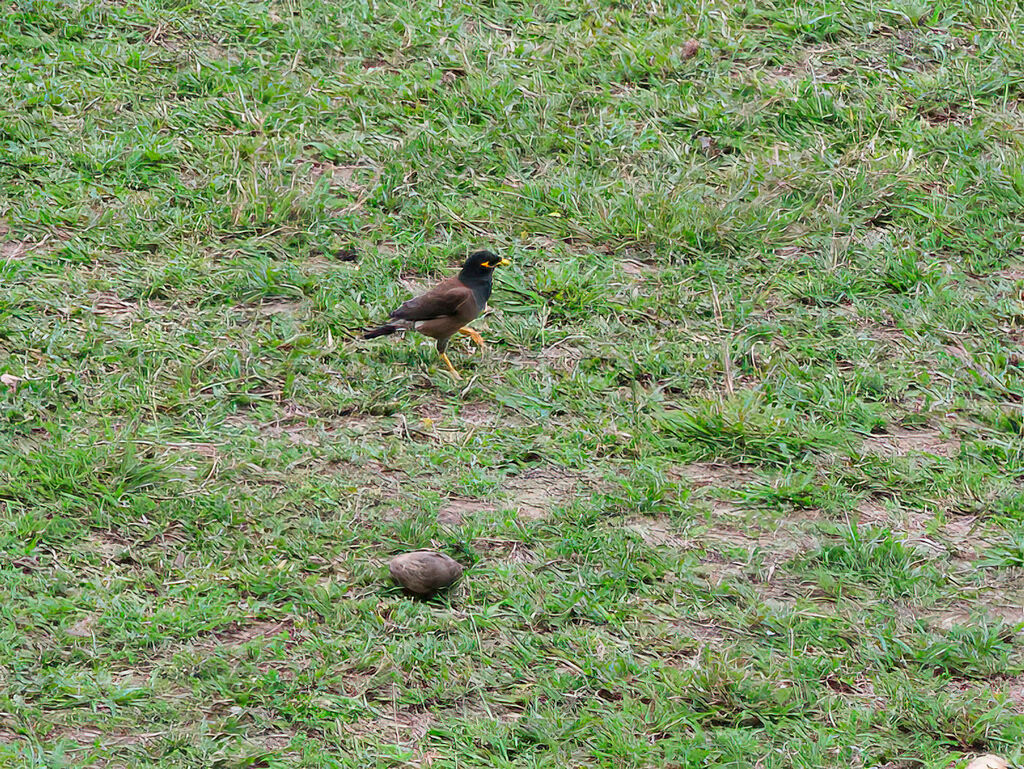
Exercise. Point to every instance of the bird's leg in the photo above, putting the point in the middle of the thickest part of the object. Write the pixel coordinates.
(474, 335)
(451, 368)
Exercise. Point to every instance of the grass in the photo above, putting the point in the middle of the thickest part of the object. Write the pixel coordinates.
(738, 482)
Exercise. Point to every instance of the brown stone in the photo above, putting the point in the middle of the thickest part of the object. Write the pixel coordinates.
(424, 572)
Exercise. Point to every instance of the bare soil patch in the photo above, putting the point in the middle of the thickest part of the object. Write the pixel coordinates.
(944, 115)
(676, 643)
(239, 634)
(713, 474)
(1010, 273)
(482, 710)
(404, 727)
(110, 305)
(294, 424)
(205, 450)
(1013, 689)
(536, 492)
(989, 607)
(276, 741)
(640, 269)
(884, 331)
(903, 442)
(767, 546)
(704, 633)
(83, 628)
(291, 307)
(504, 550)
(11, 250)
(888, 334)
(561, 356)
(352, 178)
(480, 414)
(215, 51)
(372, 478)
(657, 532)
(445, 426)
(916, 526)
(91, 735)
(785, 541)
(456, 509)
(859, 687)
(107, 545)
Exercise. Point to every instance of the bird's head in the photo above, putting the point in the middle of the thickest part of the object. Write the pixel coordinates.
(482, 263)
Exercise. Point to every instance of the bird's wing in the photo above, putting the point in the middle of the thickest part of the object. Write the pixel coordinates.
(444, 300)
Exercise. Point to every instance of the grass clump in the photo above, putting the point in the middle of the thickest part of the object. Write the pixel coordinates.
(736, 482)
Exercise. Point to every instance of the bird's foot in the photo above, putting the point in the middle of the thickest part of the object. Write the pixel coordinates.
(451, 368)
(474, 335)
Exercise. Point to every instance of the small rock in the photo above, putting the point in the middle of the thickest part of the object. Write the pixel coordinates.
(424, 572)
(689, 49)
(988, 762)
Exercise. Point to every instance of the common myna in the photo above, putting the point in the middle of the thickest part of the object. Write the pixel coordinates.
(447, 308)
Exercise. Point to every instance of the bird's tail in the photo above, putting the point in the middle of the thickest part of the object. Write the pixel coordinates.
(384, 330)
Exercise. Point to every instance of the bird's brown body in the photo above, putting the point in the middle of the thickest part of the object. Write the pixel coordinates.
(449, 307)
(442, 311)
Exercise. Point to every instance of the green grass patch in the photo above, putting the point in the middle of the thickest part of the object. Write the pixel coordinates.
(737, 481)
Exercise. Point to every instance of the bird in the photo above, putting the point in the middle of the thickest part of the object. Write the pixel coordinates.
(449, 307)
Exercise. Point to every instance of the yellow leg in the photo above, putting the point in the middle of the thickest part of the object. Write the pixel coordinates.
(451, 368)
(477, 339)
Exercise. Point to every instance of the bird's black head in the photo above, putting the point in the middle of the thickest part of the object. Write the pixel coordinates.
(481, 264)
